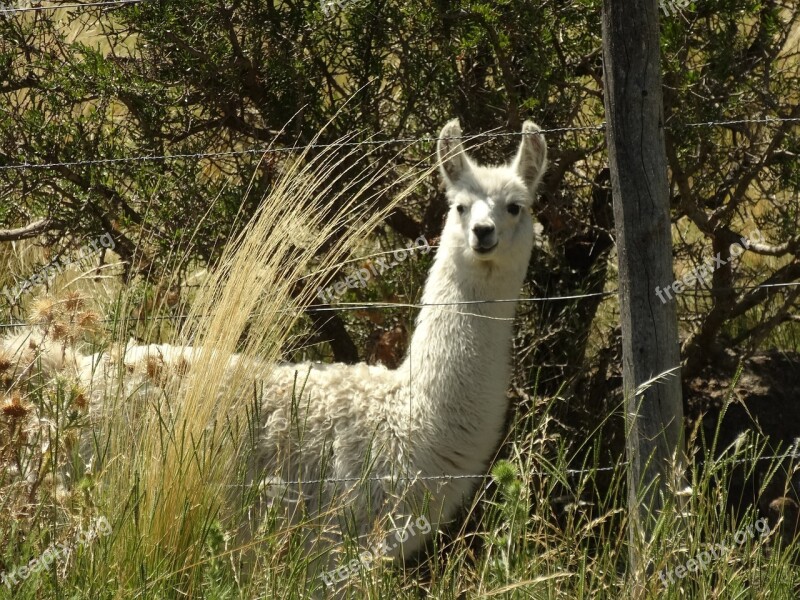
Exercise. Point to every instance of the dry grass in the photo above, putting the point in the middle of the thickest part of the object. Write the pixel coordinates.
(177, 463)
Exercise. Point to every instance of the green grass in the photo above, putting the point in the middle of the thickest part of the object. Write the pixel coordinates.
(535, 529)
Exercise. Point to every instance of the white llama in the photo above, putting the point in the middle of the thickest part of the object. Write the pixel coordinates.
(390, 444)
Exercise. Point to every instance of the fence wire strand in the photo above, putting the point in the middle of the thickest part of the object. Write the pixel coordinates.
(264, 150)
(106, 3)
(362, 306)
(286, 150)
(792, 453)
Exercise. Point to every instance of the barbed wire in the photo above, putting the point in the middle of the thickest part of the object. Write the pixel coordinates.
(362, 306)
(792, 453)
(24, 9)
(348, 306)
(745, 121)
(389, 478)
(286, 150)
(415, 140)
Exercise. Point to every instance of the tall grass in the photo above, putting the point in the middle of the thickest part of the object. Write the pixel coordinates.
(174, 470)
(170, 478)
(535, 529)
(165, 467)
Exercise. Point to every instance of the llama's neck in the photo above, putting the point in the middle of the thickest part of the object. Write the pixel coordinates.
(458, 362)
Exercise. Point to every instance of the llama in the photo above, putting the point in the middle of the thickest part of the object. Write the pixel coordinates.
(391, 444)
(441, 412)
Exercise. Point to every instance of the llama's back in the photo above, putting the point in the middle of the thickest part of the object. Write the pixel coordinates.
(332, 438)
(330, 422)
(315, 421)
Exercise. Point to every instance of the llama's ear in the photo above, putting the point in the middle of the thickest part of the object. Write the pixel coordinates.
(453, 160)
(531, 160)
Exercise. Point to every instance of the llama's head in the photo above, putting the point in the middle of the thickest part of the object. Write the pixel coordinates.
(490, 217)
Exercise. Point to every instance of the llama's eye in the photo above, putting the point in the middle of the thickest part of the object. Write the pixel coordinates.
(514, 209)
(460, 208)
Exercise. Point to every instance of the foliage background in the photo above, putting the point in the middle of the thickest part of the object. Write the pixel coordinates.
(191, 77)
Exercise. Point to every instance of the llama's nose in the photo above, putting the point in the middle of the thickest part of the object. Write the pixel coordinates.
(482, 231)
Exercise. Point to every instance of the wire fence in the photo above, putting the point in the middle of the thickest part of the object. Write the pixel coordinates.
(31, 164)
(362, 306)
(793, 453)
(264, 150)
(269, 149)
(102, 4)
(372, 142)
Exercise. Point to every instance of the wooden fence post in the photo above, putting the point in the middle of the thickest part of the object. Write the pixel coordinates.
(635, 139)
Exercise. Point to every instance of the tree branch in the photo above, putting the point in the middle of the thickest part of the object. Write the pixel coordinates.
(28, 231)
(330, 328)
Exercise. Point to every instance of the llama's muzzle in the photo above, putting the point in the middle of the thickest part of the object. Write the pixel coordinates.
(485, 238)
